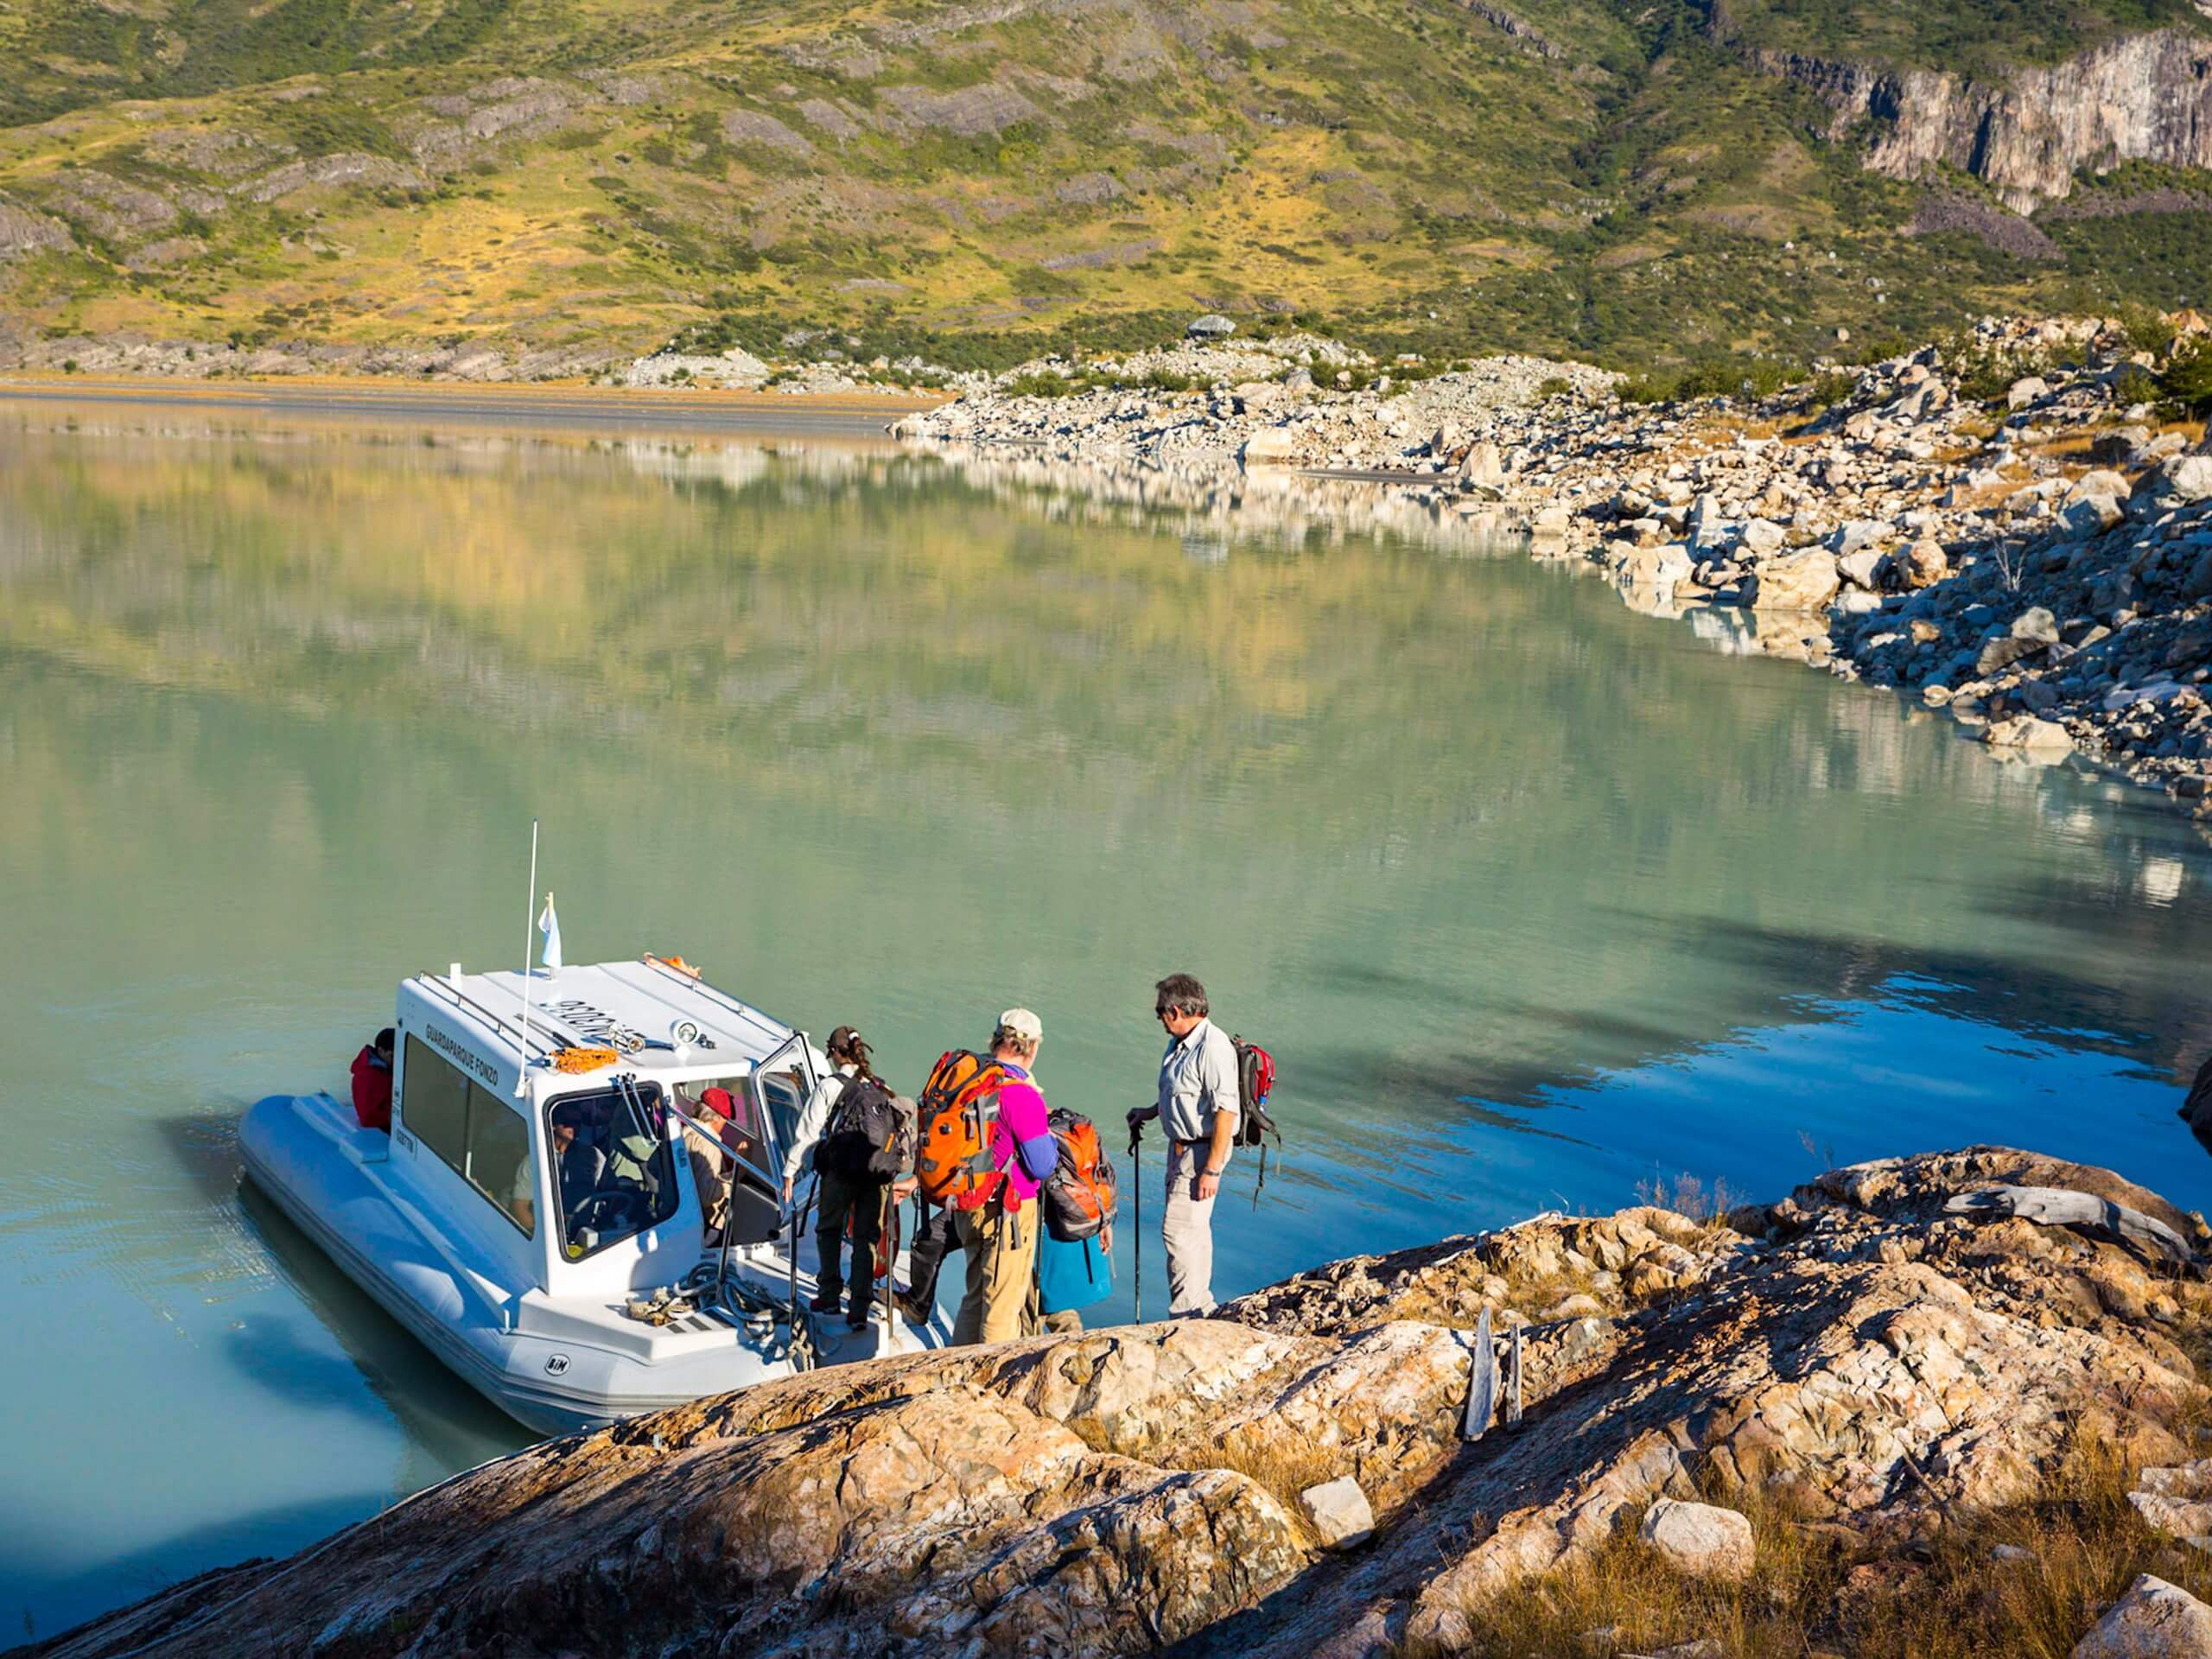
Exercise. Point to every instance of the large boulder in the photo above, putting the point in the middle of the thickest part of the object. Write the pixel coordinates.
(1482, 468)
(1796, 581)
(1701, 1539)
(2184, 478)
(1338, 1513)
(2153, 1620)
(1270, 448)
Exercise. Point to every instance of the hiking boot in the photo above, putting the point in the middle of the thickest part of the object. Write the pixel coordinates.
(914, 1313)
(857, 1319)
(827, 1300)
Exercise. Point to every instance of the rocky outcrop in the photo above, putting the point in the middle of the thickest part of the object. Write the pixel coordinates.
(2139, 97)
(1891, 1364)
(22, 232)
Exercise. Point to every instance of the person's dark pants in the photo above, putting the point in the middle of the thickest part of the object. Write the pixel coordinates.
(837, 1199)
(925, 1253)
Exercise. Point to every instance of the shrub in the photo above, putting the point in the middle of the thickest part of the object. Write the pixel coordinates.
(2188, 379)
(2135, 385)
(1826, 390)
(1557, 385)
(2146, 331)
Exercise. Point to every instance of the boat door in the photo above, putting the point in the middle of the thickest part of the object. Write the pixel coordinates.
(781, 1085)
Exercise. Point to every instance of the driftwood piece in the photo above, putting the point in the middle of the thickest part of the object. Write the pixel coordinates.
(2061, 1207)
(1482, 1383)
(1513, 1401)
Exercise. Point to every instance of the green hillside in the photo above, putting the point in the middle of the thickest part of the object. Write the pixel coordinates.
(1605, 177)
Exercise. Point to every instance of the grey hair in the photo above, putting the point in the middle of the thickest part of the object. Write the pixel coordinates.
(1007, 1037)
(1180, 994)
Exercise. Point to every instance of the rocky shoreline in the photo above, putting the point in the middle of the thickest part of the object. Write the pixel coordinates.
(1877, 1396)
(2000, 524)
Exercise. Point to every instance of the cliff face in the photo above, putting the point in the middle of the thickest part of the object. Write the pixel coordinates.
(2140, 97)
(1887, 1361)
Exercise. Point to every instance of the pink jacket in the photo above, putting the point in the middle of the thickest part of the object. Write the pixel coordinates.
(1022, 1142)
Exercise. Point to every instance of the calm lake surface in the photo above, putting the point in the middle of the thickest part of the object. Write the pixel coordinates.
(1533, 898)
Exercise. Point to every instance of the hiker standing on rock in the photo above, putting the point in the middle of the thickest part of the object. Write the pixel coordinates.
(1198, 1109)
(1000, 1235)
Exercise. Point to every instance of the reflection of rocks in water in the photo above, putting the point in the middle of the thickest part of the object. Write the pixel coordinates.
(1276, 507)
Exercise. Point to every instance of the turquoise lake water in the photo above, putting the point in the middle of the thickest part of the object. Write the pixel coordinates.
(1535, 899)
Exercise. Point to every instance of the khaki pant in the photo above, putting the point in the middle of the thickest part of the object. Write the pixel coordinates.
(1001, 1248)
(1186, 1228)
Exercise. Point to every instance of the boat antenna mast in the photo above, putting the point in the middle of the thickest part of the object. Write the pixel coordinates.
(528, 923)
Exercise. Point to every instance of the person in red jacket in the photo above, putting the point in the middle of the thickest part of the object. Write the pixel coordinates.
(372, 1082)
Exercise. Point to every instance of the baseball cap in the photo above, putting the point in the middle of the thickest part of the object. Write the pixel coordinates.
(843, 1038)
(1022, 1021)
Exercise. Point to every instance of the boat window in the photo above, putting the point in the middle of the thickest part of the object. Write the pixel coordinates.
(785, 1092)
(478, 1136)
(613, 1169)
(434, 1103)
(725, 1105)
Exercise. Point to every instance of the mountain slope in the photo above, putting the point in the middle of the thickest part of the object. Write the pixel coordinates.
(582, 177)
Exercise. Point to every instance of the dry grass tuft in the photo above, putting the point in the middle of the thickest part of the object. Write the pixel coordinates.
(1944, 1593)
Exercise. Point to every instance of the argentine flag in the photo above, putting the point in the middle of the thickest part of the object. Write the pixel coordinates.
(549, 924)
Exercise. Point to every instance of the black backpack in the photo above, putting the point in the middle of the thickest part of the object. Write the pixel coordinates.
(867, 1138)
(1256, 1081)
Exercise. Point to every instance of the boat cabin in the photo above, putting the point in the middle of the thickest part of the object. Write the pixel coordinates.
(580, 1175)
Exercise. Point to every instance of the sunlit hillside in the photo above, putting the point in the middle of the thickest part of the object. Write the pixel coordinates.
(969, 182)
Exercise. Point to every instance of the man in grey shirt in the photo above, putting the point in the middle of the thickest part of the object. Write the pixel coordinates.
(1198, 1108)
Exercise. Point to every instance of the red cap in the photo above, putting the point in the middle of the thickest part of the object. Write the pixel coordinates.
(718, 1100)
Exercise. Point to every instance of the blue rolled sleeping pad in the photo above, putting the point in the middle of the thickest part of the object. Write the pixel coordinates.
(1071, 1276)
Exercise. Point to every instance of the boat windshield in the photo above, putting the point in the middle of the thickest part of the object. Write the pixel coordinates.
(726, 1106)
(611, 1165)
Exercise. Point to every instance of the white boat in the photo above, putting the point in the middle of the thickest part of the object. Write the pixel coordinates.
(517, 1208)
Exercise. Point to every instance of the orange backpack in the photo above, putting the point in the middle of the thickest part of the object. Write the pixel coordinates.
(958, 1108)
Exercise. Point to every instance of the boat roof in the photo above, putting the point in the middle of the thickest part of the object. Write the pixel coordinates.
(634, 1007)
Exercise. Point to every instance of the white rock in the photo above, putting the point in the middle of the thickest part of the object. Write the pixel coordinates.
(1483, 466)
(2101, 482)
(1760, 536)
(1339, 1512)
(1271, 445)
(2026, 732)
(1659, 566)
(1700, 1539)
(2185, 478)
(2153, 1620)
(2088, 516)
(2025, 390)
(1860, 568)
(1796, 581)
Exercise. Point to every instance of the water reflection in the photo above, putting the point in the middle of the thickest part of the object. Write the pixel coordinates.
(1529, 894)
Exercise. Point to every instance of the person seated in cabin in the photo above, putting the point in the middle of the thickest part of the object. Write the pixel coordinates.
(711, 1166)
(372, 1082)
(577, 1163)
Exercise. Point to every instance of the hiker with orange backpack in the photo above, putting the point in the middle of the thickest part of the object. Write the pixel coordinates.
(996, 1215)
(1198, 1107)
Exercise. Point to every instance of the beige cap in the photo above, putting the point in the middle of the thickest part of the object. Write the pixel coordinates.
(1023, 1022)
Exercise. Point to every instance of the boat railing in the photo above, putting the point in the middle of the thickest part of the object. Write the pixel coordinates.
(529, 1042)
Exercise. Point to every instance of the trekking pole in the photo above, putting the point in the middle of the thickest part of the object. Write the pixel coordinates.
(1136, 1183)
